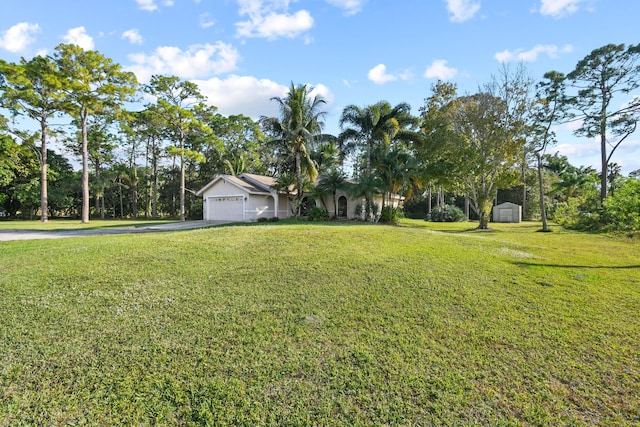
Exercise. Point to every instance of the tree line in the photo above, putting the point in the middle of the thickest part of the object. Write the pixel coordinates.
(149, 160)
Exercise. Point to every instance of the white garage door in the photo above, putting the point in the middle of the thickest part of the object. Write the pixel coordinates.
(225, 208)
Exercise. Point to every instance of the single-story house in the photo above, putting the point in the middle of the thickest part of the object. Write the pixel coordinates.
(248, 197)
(507, 212)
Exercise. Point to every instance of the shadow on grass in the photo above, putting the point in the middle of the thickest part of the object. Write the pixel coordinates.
(539, 264)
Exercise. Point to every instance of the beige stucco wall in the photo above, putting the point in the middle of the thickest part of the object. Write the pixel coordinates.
(352, 203)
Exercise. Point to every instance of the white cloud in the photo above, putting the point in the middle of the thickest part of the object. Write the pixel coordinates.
(269, 19)
(133, 35)
(206, 21)
(378, 75)
(79, 36)
(276, 25)
(250, 96)
(150, 5)
(18, 37)
(439, 70)
(324, 92)
(462, 10)
(242, 95)
(351, 7)
(559, 8)
(196, 62)
(531, 55)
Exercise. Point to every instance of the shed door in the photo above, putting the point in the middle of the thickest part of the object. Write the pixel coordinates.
(225, 208)
(506, 215)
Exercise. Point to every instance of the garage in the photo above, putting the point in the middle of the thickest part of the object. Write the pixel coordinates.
(225, 208)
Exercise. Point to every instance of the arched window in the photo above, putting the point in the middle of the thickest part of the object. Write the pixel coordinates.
(342, 207)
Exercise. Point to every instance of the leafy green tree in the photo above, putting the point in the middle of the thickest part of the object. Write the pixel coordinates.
(603, 81)
(94, 85)
(436, 150)
(549, 108)
(241, 144)
(297, 128)
(34, 88)
(176, 103)
(328, 156)
(19, 177)
(399, 172)
(9, 160)
(486, 149)
(622, 208)
(65, 187)
(148, 125)
(514, 87)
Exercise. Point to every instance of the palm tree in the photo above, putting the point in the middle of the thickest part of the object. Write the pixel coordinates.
(330, 184)
(299, 124)
(366, 127)
(398, 170)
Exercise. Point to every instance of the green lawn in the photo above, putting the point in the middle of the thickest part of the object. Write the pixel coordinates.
(322, 324)
(75, 224)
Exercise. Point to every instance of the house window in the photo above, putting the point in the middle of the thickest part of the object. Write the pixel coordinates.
(342, 206)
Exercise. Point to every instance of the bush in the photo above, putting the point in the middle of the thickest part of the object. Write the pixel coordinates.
(263, 219)
(358, 210)
(274, 219)
(448, 213)
(318, 214)
(390, 215)
(416, 207)
(573, 214)
(622, 209)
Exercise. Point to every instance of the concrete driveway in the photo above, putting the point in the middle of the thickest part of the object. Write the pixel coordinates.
(7, 235)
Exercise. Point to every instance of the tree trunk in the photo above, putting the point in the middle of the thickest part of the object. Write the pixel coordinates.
(524, 189)
(43, 173)
(603, 175)
(134, 193)
(182, 179)
(484, 212)
(367, 192)
(146, 182)
(603, 148)
(466, 206)
(298, 181)
(121, 199)
(85, 166)
(543, 208)
(154, 191)
(97, 195)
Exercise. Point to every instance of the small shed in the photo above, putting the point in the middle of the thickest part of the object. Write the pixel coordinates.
(507, 212)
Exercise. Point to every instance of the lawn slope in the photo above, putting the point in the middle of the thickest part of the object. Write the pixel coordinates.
(303, 324)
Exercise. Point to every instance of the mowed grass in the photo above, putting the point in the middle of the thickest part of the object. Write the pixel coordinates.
(76, 224)
(322, 324)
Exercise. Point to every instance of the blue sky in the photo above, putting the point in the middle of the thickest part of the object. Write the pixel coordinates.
(243, 52)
